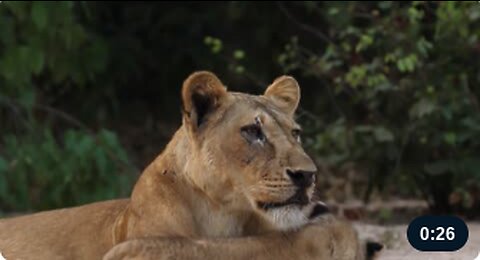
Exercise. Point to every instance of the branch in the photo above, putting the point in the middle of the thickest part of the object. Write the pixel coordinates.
(261, 85)
(64, 116)
(331, 96)
(81, 125)
(15, 106)
(16, 111)
(305, 27)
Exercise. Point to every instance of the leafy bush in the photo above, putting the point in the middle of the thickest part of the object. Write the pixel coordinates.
(44, 51)
(401, 84)
(389, 86)
(45, 40)
(38, 173)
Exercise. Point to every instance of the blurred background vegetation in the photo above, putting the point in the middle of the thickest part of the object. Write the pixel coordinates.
(89, 92)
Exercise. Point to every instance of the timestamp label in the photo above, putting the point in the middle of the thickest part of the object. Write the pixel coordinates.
(437, 233)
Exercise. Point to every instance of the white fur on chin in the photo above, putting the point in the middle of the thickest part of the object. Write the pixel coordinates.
(293, 217)
(288, 217)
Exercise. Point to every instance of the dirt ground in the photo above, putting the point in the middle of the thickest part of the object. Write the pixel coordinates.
(397, 246)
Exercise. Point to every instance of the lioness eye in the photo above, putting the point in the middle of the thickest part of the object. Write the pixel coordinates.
(296, 134)
(253, 133)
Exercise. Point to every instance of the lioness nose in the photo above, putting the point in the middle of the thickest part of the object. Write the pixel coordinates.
(301, 179)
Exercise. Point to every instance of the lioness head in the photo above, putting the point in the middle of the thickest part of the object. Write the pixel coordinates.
(246, 149)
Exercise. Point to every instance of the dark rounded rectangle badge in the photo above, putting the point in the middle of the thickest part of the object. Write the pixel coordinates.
(437, 233)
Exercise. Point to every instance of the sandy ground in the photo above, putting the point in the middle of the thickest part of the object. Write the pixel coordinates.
(398, 247)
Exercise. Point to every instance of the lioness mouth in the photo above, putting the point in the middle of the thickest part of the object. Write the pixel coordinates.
(272, 205)
(299, 198)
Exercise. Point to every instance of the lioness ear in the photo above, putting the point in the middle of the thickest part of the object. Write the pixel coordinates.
(285, 92)
(202, 93)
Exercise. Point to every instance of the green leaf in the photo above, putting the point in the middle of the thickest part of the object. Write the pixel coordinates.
(424, 46)
(385, 4)
(37, 61)
(401, 65)
(3, 165)
(7, 30)
(422, 108)
(408, 65)
(450, 138)
(27, 98)
(363, 128)
(382, 134)
(430, 89)
(208, 40)
(217, 45)
(98, 55)
(333, 11)
(239, 69)
(414, 14)
(390, 57)
(109, 138)
(356, 75)
(365, 41)
(39, 14)
(474, 14)
(75, 36)
(239, 54)
(101, 159)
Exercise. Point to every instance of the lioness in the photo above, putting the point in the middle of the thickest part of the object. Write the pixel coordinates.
(233, 182)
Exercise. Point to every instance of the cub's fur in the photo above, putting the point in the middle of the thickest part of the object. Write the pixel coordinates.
(233, 182)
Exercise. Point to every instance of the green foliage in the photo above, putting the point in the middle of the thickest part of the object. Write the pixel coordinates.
(44, 48)
(37, 172)
(406, 97)
(214, 43)
(45, 38)
(390, 86)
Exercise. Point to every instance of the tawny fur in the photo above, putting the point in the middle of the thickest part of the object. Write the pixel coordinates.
(199, 196)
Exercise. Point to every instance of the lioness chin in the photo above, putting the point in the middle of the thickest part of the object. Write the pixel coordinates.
(234, 182)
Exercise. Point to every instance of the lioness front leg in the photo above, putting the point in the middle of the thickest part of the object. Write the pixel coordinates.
(311, 242)
(322, 237)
